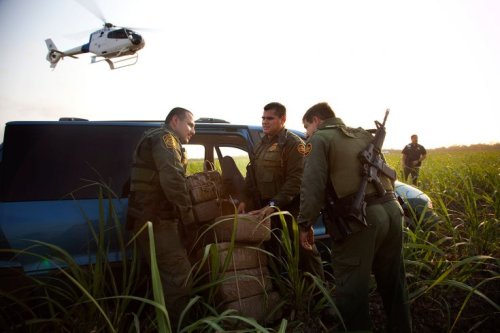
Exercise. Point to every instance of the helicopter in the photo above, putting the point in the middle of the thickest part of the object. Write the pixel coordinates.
(117, 46)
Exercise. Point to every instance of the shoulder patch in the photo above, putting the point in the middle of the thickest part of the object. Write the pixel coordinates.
(301, 148)
(169, 141)
(305, 149)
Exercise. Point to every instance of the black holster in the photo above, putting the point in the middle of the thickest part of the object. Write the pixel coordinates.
(338, 215)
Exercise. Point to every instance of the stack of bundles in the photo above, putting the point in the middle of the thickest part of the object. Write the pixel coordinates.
(246, 285)
(205, 189)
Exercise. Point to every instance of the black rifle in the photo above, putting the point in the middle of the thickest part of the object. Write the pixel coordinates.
(372, 163)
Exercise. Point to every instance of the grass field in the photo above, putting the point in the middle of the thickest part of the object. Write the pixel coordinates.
(453, 267)
(452, 271)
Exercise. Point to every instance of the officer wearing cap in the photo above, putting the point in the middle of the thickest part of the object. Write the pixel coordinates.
(276, 170)
(158, 194)
(332, 155)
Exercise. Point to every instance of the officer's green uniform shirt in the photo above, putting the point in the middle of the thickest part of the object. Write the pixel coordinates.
(160, 148)
(332, 152)
(278, 167)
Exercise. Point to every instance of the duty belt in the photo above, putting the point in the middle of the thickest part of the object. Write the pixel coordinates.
(374, 199)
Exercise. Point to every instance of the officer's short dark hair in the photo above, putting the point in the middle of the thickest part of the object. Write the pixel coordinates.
(321, 110)
(177, 111)
(414, 136)
(278, 108)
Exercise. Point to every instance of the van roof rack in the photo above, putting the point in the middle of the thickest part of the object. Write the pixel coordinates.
(211, 120)
(72, 119)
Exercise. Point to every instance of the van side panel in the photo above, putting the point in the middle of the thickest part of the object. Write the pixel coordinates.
(51, 175)
(55, 162)
(69, 229)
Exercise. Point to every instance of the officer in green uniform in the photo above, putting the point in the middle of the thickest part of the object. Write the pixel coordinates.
(277, 167)
(332, 154)
(158, 194)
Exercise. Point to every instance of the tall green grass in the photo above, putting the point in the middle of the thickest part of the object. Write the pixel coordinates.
(98, 297)
(459, 256)
(123, 296)
(452, 270)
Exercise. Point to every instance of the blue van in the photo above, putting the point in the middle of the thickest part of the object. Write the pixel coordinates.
(51, 174)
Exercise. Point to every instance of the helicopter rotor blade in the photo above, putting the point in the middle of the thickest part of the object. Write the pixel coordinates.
(93, 8)
(142, 29)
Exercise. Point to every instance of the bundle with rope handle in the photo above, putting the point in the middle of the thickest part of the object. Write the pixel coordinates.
(205, 185)
(206, 191)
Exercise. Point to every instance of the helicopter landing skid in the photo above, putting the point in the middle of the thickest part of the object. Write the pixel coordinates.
(119, 62)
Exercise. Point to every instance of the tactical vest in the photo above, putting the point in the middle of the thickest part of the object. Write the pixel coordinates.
(146, 198)
(269, 167)
(144, 176)
(345, 145)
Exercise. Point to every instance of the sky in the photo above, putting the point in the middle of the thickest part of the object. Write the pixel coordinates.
(435, 64)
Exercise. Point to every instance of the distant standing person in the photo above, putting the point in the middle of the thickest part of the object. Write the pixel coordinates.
(158, 193)
(413, 155)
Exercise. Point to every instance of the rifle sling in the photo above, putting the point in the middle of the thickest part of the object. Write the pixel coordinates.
(374, 199)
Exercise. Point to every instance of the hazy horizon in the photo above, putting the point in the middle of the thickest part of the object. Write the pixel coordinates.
(434, 64)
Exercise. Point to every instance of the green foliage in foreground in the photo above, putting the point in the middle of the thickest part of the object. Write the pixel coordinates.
(459, 256)
(100, 298)
(452, 269)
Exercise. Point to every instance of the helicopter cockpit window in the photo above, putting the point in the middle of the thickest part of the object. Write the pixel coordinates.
(118, 34)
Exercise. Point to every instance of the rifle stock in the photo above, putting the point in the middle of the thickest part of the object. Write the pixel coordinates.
(358, 207)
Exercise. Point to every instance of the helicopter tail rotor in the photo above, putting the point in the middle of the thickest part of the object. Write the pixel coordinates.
(54, 55)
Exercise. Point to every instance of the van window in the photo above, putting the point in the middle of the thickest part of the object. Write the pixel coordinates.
(196, 158)
(54, 162)
(239, 156)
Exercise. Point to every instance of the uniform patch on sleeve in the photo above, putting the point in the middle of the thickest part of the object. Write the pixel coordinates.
(306, 149)
(301, 148)
(169, 141)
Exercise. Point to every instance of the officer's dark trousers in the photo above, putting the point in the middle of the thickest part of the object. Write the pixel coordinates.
(377, 249)
(412, 172)
(173, 264)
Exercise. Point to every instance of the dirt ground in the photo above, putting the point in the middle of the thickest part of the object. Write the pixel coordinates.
(433, 316)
